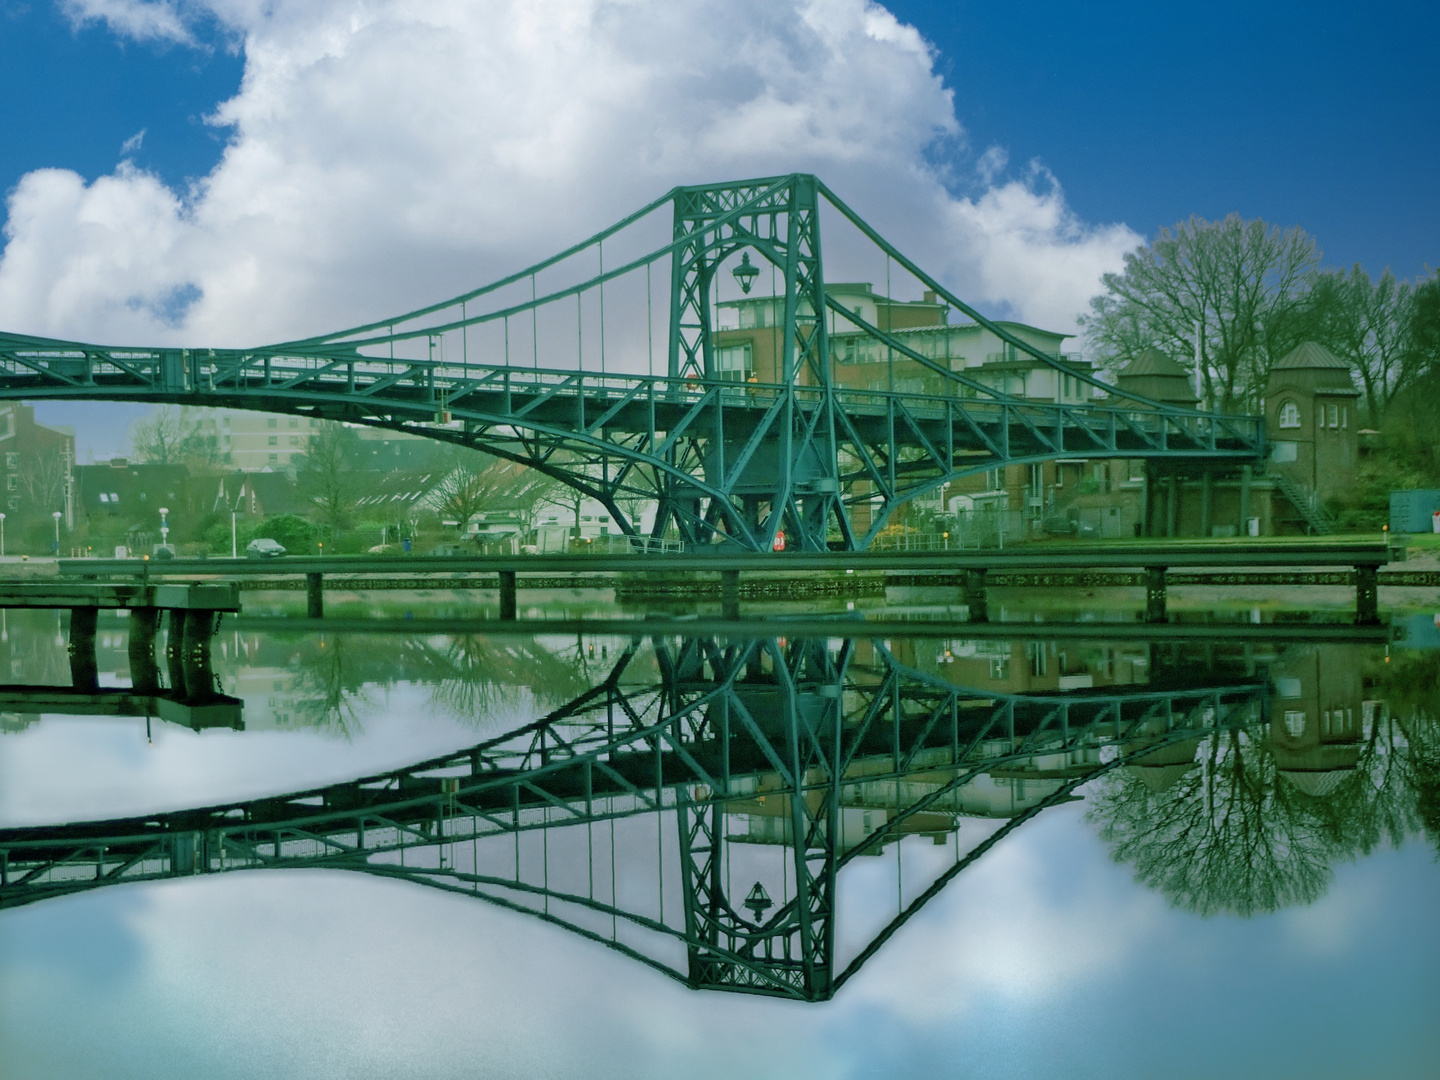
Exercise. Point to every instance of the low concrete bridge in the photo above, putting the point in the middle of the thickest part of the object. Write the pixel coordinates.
(1364, 557)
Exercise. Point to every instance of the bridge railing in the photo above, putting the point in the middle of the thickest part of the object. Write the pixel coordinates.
(448, 383)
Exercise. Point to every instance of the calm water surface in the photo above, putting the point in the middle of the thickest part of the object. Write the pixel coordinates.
(1005, 853)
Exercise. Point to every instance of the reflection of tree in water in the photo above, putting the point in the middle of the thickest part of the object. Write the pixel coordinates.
(469, 676)
(331, 688)
(1412, 684)
(1235, 828)
(1216, 838)
(475, 676)
(32, 648)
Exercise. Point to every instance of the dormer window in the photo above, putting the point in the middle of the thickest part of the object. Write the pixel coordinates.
(1289, 415)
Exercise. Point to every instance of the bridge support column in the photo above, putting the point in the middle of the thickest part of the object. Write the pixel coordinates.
(1172, 504)
(315, 596)
(975, 598)
(1367, 596)
(84, 673)
(730, 593)
(1243, 529)
(1155, 595)
(195, 656)
(175, 649)
(1147, 493)
(1207, 495)
(144, 673)
(508, 590)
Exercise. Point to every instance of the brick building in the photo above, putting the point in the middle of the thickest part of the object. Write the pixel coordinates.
(38, 469)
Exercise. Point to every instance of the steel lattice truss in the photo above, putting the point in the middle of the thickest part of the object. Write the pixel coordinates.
(791, 740)
(726, 462)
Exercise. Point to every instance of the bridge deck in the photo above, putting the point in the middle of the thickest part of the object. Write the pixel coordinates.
(1351, 553)
(112, 596)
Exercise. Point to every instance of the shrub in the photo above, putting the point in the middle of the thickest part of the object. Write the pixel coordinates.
(297, 535)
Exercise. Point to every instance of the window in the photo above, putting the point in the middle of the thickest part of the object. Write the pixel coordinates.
(1334, 416)
(1037, 478)
(1344, 416)
(1038, 656)
(114, 498)
(294, 440)
(1284, 451)
(12, 460)
(1000, 668)
(995, 480)
(1289, 415)
(733, 363)
(1294, 723)
(1287, 687)
(274, 458)
(294, 422)
(1102, 476)
(13, 502)
(1137, 470)
(12, 483)
(274, 440)
(104, 498)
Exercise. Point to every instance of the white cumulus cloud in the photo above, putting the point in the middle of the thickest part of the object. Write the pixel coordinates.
(385, 153)
(143, 20)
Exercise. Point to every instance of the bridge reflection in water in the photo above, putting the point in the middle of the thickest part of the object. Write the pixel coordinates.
(697, 808)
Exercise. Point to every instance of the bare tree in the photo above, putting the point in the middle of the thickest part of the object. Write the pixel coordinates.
(570, 499)
(42, 481)
(330, 482)
(1369, 325)
(173, 435)
(1232, 290)
(157, 436)
(475, 483)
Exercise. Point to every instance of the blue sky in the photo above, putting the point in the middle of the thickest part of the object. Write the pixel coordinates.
(380, 160)
(1322, 115)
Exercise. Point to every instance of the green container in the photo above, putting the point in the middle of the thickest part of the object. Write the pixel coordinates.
(1413, 511)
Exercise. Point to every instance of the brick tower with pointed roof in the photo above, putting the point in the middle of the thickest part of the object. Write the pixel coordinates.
(1157, 376)
(1312, 416)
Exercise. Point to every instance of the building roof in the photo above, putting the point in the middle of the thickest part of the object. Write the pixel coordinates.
(1157, 376)
(1316, 783)
(1160, 778)
(1153, 362)
(1310, 355)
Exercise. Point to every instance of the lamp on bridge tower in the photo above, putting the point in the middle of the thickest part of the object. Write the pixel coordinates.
(746, 273)
(757, 901)
(56, 515)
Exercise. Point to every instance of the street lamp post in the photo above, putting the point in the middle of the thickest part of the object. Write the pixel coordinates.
(164, 528)
(234, 537)
(2, 536)
(56, 515)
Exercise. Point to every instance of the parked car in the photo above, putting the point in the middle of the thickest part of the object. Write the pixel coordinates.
(263, 548)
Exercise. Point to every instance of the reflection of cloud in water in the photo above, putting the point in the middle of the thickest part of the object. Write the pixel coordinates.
(1331, 925)
(1021, 926)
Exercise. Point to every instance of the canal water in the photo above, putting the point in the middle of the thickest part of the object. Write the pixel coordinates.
(1088, 848)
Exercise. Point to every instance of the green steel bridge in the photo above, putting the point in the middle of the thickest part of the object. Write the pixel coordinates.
(697, 809)
(526, 368)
